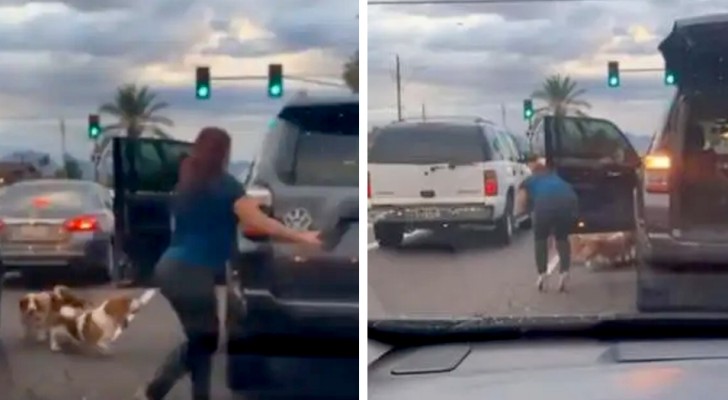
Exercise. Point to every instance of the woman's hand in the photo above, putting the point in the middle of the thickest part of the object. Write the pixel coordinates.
(309, 238)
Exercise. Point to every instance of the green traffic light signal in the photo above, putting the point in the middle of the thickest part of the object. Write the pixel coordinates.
(203, 92)
(94, 126)
(275, 80)
(670, 78)
(527, 109)
(202, 83)
(275, 90)
(613, 74)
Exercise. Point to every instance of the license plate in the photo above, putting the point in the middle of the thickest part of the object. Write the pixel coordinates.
(34, 232)
(426, 213)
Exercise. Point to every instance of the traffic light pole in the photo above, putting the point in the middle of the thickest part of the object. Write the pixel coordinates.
(641, 69)
(287, 77)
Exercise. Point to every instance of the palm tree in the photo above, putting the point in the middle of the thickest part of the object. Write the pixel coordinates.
(562, 97)
(135, 109)
(351, 72)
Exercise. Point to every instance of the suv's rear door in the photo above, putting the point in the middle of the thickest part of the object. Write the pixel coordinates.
(601, 164)
(145, 174)
(314, 185)
(427, 163)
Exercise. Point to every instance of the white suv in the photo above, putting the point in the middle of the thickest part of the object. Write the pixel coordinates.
(440, 175)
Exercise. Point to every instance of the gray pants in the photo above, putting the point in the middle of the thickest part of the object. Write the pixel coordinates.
(190, 290)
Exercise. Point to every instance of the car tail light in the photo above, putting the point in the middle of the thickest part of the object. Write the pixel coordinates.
(657, 173)
(265, 197)
(490, 183)
(82, 223)
(369, 186)
(2, 225)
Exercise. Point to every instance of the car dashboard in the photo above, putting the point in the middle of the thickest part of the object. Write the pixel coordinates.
(551, 369)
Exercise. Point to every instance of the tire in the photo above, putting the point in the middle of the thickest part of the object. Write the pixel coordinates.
(389, 235)
(505, 226)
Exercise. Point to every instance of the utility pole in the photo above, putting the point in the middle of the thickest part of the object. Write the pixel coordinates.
(63, 140)
(399, 90)
(424, 115)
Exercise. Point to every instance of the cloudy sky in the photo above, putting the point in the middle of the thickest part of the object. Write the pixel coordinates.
(65, 58)
(470, 59)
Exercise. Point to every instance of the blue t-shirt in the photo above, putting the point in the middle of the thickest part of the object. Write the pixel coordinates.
(205, 225)
(548, 191)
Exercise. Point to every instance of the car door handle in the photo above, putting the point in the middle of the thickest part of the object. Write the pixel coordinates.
(613, 174)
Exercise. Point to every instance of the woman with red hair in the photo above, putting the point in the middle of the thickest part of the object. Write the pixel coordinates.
(207, 209)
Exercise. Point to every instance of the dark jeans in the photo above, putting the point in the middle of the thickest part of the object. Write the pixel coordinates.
(190, 291)
(556, 222)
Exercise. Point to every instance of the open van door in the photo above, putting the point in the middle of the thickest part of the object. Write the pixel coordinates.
(602, 166)
(145, 174)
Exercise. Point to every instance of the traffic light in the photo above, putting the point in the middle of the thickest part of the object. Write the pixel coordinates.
(94, 126)
(202, 86)
(613, 74)
(275, 80)
(527, 109)
(670, 77)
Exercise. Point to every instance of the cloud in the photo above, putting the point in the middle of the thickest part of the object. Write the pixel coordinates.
(480, 59)
(65, 58)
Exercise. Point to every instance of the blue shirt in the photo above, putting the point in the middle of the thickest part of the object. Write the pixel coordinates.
(547, 191)
(205, 225)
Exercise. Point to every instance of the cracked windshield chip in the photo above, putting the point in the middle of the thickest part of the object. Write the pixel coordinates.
(550, 168)
(179, 199)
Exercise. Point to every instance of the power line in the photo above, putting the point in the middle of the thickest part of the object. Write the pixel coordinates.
(445, 2)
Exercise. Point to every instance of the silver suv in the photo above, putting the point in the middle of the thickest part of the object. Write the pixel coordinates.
(292, 317)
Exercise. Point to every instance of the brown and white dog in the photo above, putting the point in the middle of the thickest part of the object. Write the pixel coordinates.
(38, 309)
(97, 328)
(607, 250)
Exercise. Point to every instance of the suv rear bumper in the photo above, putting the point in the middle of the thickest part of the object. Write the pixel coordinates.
(293, 346)
(445, 215)
(663, 248)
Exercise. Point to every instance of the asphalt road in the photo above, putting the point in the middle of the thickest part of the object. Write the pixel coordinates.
(43, 375)
(466, 275)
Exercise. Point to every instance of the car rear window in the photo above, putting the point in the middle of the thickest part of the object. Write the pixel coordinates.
(51, 201)
(428, 144)
(327, 144)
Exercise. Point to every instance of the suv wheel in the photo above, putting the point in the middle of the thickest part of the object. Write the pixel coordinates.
(389, 235)
(504, 228)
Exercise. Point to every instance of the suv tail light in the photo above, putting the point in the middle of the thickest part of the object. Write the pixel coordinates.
(265, 197)
(82, 223)
(2, 225)
(490, 183)
(657, 173)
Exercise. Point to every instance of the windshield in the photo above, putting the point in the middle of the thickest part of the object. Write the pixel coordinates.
(327, 144)
(569, 215)
(428, 144)
(47, 200)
